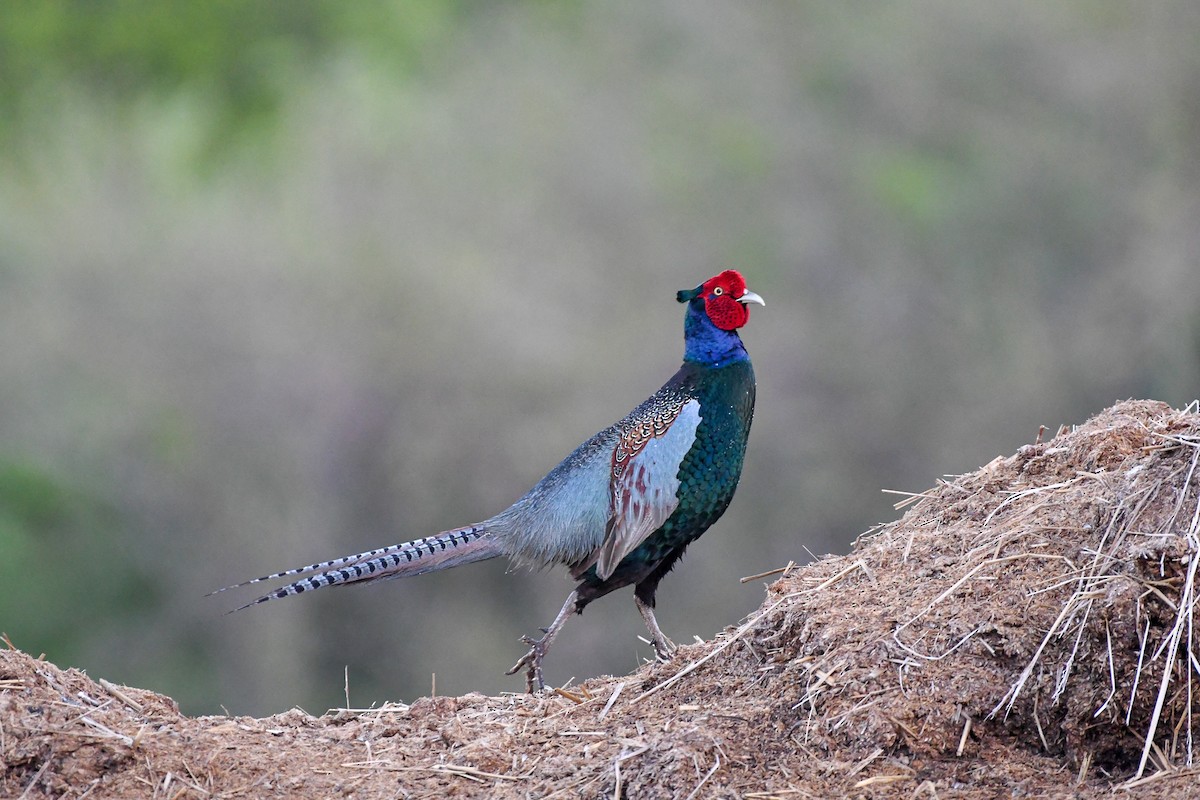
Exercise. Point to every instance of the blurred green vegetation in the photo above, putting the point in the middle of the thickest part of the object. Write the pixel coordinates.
(285, 280)
(44, 527)
(242, 59)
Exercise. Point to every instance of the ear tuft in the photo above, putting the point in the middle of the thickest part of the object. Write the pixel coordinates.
(687, 295)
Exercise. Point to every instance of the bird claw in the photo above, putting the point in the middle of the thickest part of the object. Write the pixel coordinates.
(664, 648)
(532, 661)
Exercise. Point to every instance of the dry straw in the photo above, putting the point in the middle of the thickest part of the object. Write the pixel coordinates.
(1026, 626)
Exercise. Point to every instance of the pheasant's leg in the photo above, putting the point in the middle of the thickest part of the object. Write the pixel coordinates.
(663, 647)
(532, 661)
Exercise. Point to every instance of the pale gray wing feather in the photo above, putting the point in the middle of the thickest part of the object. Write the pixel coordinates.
(646, 492)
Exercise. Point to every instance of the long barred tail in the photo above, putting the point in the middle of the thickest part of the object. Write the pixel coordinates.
(441, 551)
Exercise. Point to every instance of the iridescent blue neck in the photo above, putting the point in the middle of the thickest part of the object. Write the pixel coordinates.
(705, 343)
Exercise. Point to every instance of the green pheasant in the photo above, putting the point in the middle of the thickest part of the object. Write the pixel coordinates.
(621, 509)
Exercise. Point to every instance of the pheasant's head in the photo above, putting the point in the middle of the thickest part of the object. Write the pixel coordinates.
(725, 297)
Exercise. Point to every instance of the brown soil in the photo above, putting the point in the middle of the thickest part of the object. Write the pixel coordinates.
(1024, 631)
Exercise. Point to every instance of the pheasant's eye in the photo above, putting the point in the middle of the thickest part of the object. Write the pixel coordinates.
(718, 291)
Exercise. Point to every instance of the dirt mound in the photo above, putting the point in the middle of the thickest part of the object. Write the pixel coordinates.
(1024, 630)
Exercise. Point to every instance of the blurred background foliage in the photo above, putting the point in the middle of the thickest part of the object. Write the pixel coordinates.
(281, 281)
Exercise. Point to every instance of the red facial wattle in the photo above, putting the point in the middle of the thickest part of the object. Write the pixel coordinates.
(725, 312)
(721, 303)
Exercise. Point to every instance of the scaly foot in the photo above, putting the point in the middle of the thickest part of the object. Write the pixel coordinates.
(532, 661)
(664, 648)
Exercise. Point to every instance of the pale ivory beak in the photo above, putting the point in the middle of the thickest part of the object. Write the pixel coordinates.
(751, 297)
